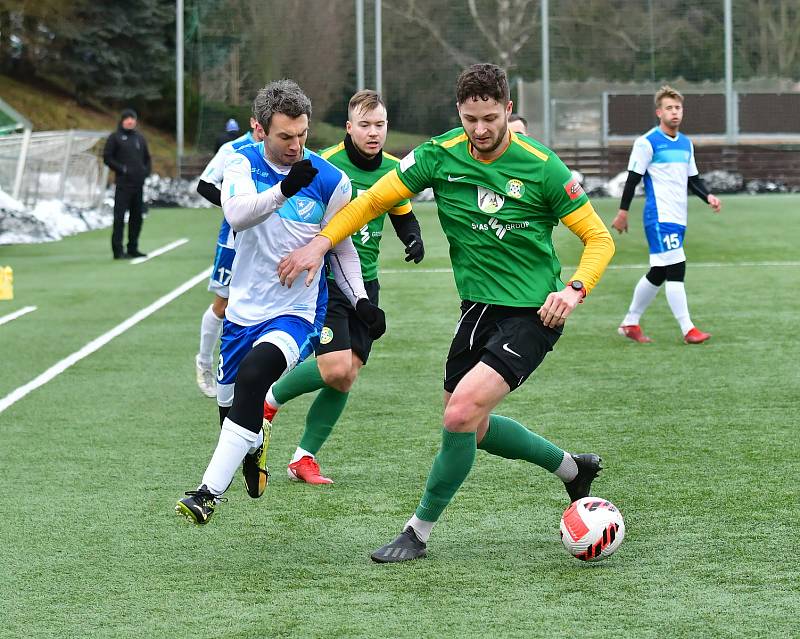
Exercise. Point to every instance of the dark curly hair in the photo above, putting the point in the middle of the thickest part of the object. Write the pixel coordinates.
(483, 81)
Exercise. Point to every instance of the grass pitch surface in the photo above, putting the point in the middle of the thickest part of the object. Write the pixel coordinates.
(699, 442)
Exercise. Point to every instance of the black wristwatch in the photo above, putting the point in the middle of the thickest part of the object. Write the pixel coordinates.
(578, 286)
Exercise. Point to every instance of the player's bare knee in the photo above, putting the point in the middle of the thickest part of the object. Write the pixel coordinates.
(341, 377)
(461, 416)
(337, 370)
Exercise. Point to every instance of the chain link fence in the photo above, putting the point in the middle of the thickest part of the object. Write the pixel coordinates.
(583, 72)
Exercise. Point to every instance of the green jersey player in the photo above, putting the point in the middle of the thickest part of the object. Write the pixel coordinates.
(499, 195)
(345, 343)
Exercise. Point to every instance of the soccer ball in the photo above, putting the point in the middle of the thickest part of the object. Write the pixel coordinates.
(592, 529)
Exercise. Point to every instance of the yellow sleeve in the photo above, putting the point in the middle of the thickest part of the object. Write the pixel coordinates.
(380, 197)
(598, 244)
(401, 209)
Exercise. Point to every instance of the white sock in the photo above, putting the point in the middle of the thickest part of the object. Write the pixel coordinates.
(568, 469)
(299, 454)
(421, 527)
(676, 297)
(643, 294)
(258, 442)
(234, 443)
(210, 330)
(270, 399)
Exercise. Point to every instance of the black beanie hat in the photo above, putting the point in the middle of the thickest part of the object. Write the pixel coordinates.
(128, 113)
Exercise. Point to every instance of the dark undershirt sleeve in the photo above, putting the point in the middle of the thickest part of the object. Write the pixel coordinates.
(630, 188)
(210, 192)
(405, 225)
(698, 187)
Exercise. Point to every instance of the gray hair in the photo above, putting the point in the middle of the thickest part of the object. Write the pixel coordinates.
(281, 96)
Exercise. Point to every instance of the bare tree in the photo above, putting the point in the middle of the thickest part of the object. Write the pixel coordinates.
(779, 27)
(505, 25)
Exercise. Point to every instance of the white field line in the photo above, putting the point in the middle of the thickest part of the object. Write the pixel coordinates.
(97, 343)
(12, 316)
(160, 251)
(614, 267)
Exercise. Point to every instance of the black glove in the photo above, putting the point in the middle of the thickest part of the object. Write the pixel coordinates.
(372, 316)
(300, 175)
(415, 249)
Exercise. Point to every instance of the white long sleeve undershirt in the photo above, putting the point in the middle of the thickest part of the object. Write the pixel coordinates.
(346, 269)
(246, 210)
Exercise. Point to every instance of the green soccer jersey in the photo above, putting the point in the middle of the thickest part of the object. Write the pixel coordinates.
(367, 239)
(498, 216)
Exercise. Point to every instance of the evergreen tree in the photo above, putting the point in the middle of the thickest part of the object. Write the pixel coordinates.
(121, 52)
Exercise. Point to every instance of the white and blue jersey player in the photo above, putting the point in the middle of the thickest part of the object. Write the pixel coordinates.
(277, 196)
(666, 164)
(268, 227)
(664, 158)
(209, 187)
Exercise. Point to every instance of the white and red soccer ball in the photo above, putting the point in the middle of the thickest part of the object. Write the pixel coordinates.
(592, 528)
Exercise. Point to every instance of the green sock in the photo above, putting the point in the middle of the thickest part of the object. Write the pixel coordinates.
(305, 378)
(322, 416)
(450, 468)
(510, 439)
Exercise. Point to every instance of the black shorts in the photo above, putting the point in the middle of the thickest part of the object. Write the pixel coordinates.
(343, 330)
(512, 341)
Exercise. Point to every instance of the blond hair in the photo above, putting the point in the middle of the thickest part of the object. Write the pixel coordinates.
(667, 91)
(365, 100)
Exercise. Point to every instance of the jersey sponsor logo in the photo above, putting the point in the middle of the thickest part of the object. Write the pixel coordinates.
(573, 189)
(498, 227)
(515, 188)
(489, 201)
(326, 335)
(364, 233)
(451, 178)
(407, 162)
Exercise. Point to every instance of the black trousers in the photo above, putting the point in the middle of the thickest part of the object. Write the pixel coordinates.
(127, 198)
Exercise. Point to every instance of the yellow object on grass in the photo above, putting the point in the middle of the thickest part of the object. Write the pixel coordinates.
(6, 283)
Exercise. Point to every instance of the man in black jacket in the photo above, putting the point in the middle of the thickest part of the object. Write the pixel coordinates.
(127, 155)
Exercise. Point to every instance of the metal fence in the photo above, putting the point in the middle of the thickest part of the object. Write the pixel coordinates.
(570, 62)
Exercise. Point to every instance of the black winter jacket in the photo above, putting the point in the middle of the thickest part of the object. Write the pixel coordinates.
(127, 155)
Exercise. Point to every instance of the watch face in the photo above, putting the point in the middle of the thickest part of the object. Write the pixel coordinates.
(576, 285)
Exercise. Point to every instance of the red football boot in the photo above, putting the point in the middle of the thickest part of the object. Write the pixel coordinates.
(634, 332)
(696, 336)
(307, 469)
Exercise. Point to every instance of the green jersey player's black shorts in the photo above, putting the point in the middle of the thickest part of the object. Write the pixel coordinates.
(343, 330)
(512, 341)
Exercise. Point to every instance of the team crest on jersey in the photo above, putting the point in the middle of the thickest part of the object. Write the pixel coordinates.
(515, 188)
(489, 201)
(305, 207)
(326, 335)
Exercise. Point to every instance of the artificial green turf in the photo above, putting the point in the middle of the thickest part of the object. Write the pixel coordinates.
(699, 444)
